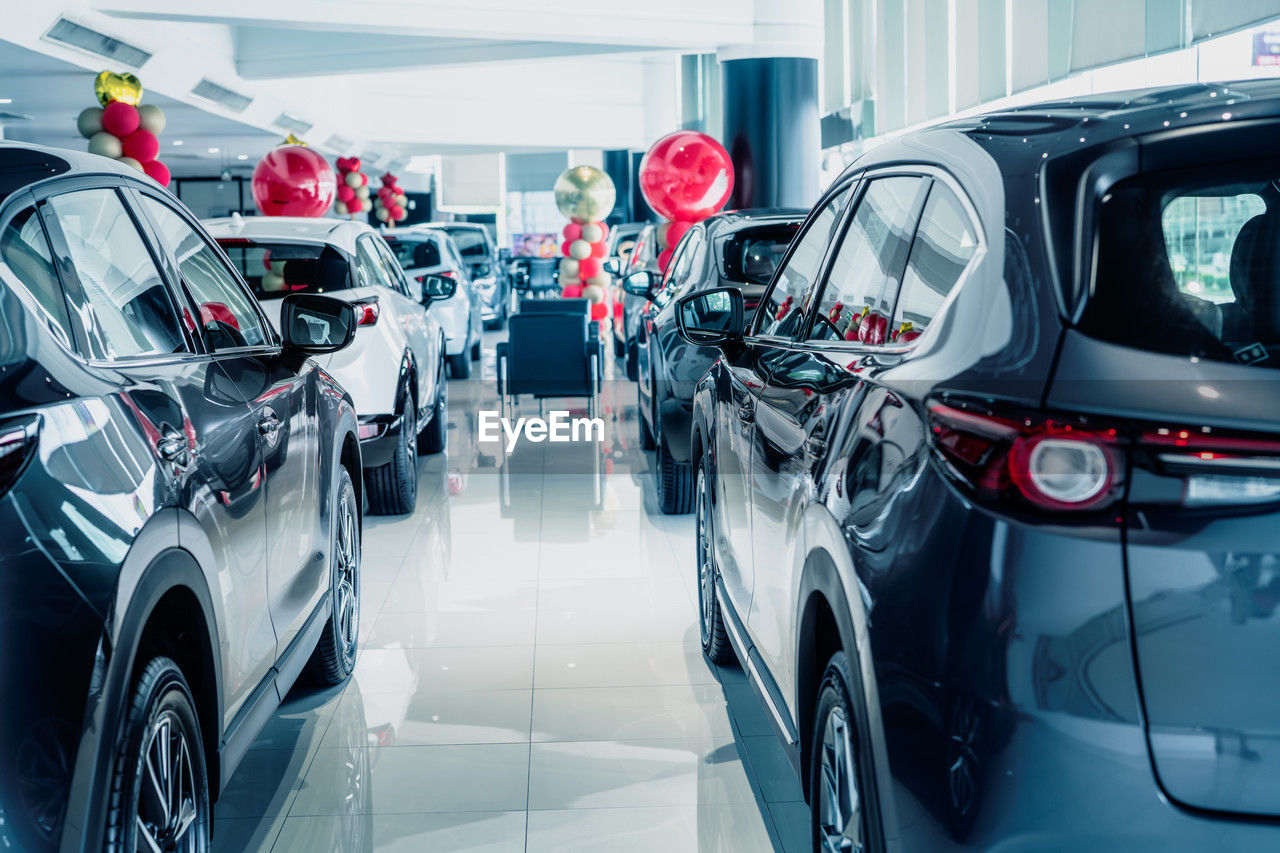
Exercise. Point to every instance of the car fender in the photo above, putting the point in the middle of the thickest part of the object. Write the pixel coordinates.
(156, 564)
(828, 569)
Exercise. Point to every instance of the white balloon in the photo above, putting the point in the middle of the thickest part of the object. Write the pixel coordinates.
(402, 199)
(592, 233)
(568, 268)
(129, 161)
(151, 117)
(601, 281)
(594, 292)
(106, 144)
(362, 193)
(277, 267)
(273, 281)
(579, 250)
(383, 214)
(340, 208)
(89, 121)
(352, 179)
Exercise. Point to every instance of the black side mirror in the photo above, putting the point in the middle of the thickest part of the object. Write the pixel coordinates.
(482, 270)
(316, 324)
(641, 283)
(612, 266)
(437, 287)
(710, 318)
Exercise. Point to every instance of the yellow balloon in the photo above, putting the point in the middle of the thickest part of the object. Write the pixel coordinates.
(585, 194)
(109, 86)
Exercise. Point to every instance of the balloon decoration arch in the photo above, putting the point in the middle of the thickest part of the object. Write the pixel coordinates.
(124, 128)
(585, 195)
(293, 180)
(685, 177)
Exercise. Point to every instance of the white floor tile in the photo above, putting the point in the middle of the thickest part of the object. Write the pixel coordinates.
(621, 665)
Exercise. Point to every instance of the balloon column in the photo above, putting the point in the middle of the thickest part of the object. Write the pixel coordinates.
(685, 177)
(122, 128)
(585, 195)
(353, 188)
(293, 180)
(391, 205)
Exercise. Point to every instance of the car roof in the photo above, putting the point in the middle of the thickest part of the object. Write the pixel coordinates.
(23, 164)
(340, 233)
(737, 220)
(444, 226)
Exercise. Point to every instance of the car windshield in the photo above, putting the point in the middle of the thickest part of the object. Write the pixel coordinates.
(415, 252)
(750, 256)
(274, 270)
(470, 242)
(1189, 264)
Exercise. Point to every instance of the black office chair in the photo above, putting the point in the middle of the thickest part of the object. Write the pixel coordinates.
(550, 353)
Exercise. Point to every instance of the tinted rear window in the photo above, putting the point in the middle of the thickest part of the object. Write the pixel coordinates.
(751, 256)
(274, 270)
(412, 254)
(470, 241)
(1189, 264)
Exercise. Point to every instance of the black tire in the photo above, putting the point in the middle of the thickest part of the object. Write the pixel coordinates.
(475, 351)
(715, 640)
(633, 362)
(675, 481)
(619, 347)
(160, 716)
(646, 433)
(393, 488)
(842, 707)
(435, 437)
(335, 654)
(460, 365)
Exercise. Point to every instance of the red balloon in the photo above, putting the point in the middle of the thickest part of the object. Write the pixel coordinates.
(158, 171)
(120, 119)
(343, 164)
(564, 248)
(675, 231)
(293, 180)
(345, 194)
(686, 175)
(589, 268)
(396, 211)
(598, 249)
(571, 291)
(142, 145)
(599, 311)
(664, 258)
(353, 164)
(572, 232)
(604, 231)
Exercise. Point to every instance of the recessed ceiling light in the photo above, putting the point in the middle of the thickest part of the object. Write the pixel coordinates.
(214, 150)
(242, 156)
(177, 142)
(6, 100)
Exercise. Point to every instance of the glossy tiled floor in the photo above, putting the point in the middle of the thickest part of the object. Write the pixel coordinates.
(529, 679)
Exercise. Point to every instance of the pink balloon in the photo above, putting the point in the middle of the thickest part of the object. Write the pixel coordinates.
(686, 175)
(571, 291)
(589, 268)
(677, 230)
(598, 249)
(345, 194)
(664, 258)
(158, 171)
(572, 231)
(396, 211)
(599, 311)
(604, 231)
(120, 119)
(293, 180)
(564, 248)
(141, 145)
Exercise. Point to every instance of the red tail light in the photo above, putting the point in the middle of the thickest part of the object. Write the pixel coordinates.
(446, 273)
(366, 311)
(18, 441)
(1049, 463)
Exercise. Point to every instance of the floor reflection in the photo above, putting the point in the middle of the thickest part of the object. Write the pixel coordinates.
(529, 677)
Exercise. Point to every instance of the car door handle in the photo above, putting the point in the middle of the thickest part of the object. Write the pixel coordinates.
(269, 425)
(173, 447)
(747, 412)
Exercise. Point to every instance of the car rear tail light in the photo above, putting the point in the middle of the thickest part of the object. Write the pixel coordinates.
(18, 441)
(366, 311)
(1218, 468)
(1048, 463)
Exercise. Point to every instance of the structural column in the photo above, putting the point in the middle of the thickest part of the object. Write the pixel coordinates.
(770, 107)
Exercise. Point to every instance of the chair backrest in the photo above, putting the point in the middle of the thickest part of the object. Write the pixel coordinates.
(554, 306)
(548, 355)
(542, 273)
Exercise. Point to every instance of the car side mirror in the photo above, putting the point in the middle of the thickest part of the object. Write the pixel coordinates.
(640, 283)
(437, 287)
(710, 318)
(612, 266)
(315, 324)
(483, 271)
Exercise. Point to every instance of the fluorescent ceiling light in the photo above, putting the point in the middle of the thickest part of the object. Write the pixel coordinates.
(211, 91)
(293, 123)
(214, 150)
(242, 156)
(74, 35)
(177, 142)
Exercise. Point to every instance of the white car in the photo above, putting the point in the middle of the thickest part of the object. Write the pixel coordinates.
(429, 252)
(394, 370)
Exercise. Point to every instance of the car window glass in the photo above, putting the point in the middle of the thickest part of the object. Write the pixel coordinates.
(131, 311)
(369, 270)
(228, 313)
(781, 312)
(856, 302)
(684, 267)
(944, 243)
(27, 255)
(395, 274)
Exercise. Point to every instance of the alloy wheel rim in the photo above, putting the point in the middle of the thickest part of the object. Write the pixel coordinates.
(167, 811)
(706, 575)
(839, 802)
(961, 780)
(410, 437)
(348, 571)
